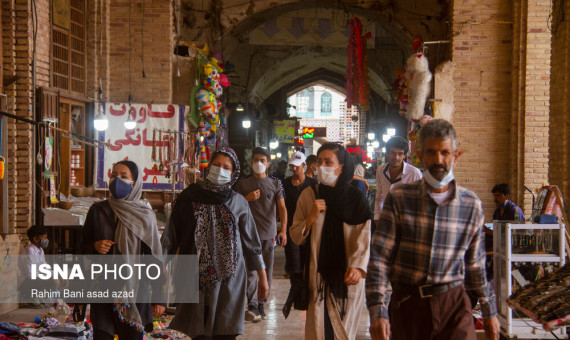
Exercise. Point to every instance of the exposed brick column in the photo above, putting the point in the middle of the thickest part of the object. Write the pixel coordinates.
(482, 57)
(531, 97)
(501, 55)
(559, 161)
(17, 39)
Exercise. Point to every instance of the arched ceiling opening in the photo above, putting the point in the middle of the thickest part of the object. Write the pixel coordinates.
(277, 64)
(296, 68)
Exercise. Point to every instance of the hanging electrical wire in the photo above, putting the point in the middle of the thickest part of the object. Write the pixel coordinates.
(75, 136)
(142, 39)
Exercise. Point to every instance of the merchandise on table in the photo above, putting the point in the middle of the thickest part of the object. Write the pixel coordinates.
(546, 301)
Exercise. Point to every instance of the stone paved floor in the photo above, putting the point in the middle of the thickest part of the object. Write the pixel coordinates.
(275, 326)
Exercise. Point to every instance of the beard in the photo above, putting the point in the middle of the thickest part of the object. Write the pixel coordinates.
(438, 171)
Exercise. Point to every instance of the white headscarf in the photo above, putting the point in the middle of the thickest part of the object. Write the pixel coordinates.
(137, 223)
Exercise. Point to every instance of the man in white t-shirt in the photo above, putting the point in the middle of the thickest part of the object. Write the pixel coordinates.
(35, 255)
(395, 172)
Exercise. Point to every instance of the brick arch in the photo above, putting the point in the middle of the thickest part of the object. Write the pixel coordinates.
(294, 70)
(234, 39)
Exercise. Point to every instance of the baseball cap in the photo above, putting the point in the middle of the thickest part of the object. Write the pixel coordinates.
(297, 158)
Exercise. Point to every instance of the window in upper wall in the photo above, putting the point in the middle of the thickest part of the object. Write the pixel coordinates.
(326, 104)
(68, 45)
(305, 103)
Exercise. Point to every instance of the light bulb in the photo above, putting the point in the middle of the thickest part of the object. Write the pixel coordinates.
(274, 144)
(371, 135)
(246, 123)
(130, 124)
(100, 122)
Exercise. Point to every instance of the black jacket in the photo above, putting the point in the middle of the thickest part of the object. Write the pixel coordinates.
(100, 225)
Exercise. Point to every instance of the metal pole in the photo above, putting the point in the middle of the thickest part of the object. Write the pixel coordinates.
(4, 151)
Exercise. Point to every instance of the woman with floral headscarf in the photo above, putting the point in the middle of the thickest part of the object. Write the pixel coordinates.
(212, 220)
(124, 226)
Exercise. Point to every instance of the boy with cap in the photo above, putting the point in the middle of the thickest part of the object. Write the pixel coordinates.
(294, 253)
(263, 193)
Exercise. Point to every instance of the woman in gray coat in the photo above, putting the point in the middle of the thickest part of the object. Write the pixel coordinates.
(212, 220)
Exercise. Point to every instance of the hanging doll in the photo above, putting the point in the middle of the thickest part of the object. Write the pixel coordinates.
(419, 78)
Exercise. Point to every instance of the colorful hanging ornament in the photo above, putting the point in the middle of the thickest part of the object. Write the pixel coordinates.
(203, 158)
(2, 161)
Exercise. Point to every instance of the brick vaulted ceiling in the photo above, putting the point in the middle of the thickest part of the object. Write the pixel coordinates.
(267, 42)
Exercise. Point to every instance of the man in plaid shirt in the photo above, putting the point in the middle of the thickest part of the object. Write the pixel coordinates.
(430, 244)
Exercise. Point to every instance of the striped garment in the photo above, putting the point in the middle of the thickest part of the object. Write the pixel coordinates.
(420, 242)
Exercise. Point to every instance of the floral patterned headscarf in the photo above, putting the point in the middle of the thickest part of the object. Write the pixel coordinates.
(216, 227)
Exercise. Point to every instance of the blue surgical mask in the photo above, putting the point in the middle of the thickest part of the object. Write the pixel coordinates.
(436, 183)
(120, 188)
(219, 176)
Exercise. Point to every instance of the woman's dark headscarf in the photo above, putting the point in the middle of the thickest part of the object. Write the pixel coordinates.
(345, 204)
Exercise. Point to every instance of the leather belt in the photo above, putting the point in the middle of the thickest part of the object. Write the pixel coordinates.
(426, 291)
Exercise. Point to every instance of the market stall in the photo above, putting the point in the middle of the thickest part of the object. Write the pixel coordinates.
(524, 253)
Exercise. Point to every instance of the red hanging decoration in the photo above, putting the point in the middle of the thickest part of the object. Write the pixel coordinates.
(357, 87)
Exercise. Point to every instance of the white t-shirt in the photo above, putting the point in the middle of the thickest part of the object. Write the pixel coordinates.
(384, 185)
(35, 256)
(440, 197)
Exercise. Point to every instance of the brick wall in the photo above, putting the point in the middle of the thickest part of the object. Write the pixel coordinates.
(17, 39)
(501, 55)
(537, 96)
(108, 58)
(124, 57)
(481, 54)
(559, 162)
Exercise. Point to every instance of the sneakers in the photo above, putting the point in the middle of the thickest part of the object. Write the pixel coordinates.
(252, 314)
(261, 310)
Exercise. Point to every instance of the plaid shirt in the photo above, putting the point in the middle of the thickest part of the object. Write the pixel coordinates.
(419, 242)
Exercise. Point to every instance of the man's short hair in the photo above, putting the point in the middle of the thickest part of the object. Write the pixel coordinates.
(398, 143)
(261, 151)
(311, 159)
(35, 231)
(438, 128)
(502, 188)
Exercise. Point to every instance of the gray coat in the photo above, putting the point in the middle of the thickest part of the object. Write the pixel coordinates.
(221, 307)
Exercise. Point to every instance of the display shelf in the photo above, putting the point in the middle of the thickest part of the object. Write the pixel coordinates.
(518, 247)
(77, 166)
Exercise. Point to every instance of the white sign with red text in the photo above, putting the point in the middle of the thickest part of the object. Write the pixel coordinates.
(137, 144)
